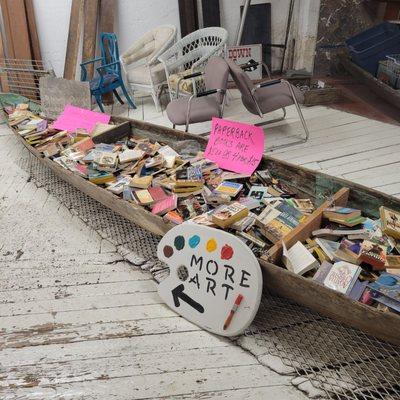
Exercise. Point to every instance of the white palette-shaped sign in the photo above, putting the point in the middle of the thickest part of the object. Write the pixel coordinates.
(215, 280)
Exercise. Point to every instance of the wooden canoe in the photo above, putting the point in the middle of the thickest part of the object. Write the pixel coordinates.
(311, 184)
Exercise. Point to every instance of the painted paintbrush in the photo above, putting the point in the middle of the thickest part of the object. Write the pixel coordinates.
(228, 321)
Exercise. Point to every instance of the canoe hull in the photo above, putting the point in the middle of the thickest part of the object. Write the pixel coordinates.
(382, 325)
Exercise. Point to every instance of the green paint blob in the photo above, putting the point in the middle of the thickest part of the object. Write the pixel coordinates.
(179, 242)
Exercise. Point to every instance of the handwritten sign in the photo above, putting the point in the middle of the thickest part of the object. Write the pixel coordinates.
(215, 280)
(73, 118)
(235, 146)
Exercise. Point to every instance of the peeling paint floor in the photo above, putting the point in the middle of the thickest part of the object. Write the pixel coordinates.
(79, 322)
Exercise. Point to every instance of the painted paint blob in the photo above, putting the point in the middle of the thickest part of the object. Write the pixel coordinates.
(168, 251)
(179, 242)
(226, 252)
(194, 241)
(211, 245)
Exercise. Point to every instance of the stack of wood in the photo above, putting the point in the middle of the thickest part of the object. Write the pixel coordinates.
(89, 17)
(20, 41)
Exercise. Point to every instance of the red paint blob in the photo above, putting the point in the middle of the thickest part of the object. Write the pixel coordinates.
(226, 252)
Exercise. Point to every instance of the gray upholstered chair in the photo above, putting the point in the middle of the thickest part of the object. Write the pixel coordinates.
(268, 96)
(202, 107)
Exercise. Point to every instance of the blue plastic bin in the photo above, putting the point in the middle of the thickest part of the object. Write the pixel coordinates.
(373, 45)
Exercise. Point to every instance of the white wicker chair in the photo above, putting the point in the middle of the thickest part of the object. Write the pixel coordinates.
(191, 53)
(142, 70)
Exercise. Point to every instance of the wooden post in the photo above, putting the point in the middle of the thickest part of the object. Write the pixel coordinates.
(75, 27)
(34, 38)
(188, 16)
(90, 33)
(106, 24)
(211, 13)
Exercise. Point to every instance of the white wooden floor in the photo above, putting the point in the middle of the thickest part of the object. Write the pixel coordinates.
(77, 322)
(341, 144)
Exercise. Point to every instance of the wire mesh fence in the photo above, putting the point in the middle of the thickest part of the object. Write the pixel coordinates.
(22, 76)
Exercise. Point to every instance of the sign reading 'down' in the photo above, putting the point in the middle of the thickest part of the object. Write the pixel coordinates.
(245, 53)
(235, 146)
(215, 280)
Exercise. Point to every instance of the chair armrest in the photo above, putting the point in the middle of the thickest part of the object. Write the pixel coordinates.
(208, 92)
(83, 67)
(91, 61)
(99, 69)
(194, 75)
(269, 83)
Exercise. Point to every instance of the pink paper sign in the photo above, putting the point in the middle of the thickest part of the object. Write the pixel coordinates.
(235, 146)
(73, 118)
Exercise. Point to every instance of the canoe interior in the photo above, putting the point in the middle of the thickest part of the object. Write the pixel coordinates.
(323, 189)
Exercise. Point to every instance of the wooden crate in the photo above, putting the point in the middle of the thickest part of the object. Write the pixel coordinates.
(315, 97)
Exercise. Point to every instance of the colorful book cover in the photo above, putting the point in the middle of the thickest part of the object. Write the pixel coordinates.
(342, 277)
(164, 206)
(229, 188)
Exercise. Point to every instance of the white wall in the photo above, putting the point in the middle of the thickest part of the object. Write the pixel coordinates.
(133, 19)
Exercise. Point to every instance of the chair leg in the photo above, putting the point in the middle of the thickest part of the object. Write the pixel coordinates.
(99, 103)
(118, 96)
(128, 98)
(273, 120)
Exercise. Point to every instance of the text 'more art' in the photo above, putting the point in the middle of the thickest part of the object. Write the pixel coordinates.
(215, 280)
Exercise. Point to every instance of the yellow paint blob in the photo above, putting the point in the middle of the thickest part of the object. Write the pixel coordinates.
(211, 245)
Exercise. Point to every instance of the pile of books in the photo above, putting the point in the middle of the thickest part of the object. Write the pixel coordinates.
(353, 255)
(350, 253)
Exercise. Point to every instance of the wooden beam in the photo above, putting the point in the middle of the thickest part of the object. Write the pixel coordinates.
(90, 33)
(75, 27)
(3, 75)
(188, 16)
(211, 13)
(34, 38)
(106, 24)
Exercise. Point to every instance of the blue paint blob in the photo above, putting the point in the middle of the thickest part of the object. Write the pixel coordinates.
(194, 241)
(179, 242)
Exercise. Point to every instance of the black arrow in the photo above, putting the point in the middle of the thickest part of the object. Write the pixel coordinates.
(177, 294)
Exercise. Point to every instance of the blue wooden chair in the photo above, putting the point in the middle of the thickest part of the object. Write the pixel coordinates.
(108, 77)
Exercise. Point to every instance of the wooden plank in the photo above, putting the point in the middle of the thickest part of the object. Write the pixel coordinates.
(381, 89)
(17, 44)
(74, 33)
(115, 367)
(128, 346)
(90, 33)
(106, 24)
(304, 230)
(3, 75)
(61, 333)
(33, 35)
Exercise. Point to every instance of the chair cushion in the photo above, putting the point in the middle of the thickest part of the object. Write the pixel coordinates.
(202, 109)
(107, 80)
(186, 85)
(141, 75)
(271, 98)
